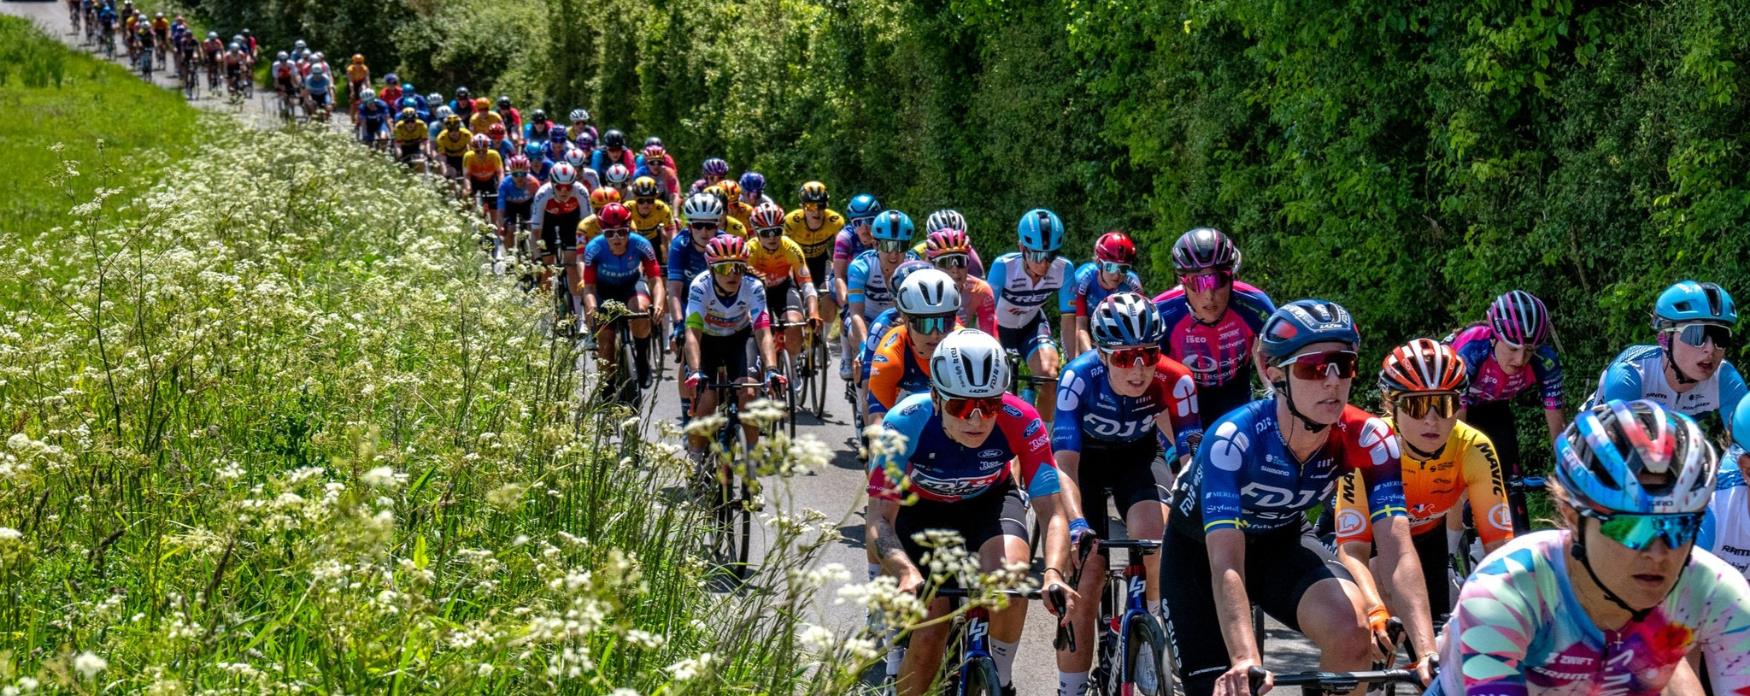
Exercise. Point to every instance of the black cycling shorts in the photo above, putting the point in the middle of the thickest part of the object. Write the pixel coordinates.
(782, 297)
(735, 354)
(559, 230)
(1436, 566)
(1126, 472)
(818, 268)
(1280, 567)
(515, 212)
(453, 162)
(1000, 511)
(1028, 339)
(487, 188)
(623, 293)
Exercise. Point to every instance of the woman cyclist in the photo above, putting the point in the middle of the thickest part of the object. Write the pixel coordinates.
(1108, 273)
(1443, 459)
(1687, 370)
(1726, 529)
(1238, 534)
(729, 333)
(949, 219)
(1213, 320)
(1631, 481)
(515, 196)
(485, 170)
(868, 291)
(777, 261)
(927, 306)
(950, 250)
(1024, 281)
(851, 242)
(813, 226)
(712, 172)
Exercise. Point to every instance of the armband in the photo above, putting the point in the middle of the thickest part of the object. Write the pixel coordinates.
(808, 289)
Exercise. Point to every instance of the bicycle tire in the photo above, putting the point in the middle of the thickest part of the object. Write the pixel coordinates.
(787, 367)
(1146, 663)
(1258, 634)
(626, 371)
(978, 677)
(819, 377)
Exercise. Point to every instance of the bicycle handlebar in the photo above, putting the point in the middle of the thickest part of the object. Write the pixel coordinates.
(1332, 681)
(1066, 634)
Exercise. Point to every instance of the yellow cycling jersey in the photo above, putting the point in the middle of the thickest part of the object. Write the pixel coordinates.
(484, 121)
(815, 242)
(453, 142)
(410, 132)
(743, 213)
(1466, 464)
(660, 215)
(778, 265)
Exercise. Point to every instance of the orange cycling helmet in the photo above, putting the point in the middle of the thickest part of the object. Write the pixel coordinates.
(767, 216)
(1422, 366)
(725, 248)
(482, 104)
(358, 59)
(601, 197)
(731, 190)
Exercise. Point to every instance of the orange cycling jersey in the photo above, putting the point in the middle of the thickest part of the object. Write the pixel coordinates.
(815, 242)
(894, 371)
(778, 265)
(743, 213)
(357, 72)
(483, 165)
(978, 304)
(1466, 464)
(483, 121)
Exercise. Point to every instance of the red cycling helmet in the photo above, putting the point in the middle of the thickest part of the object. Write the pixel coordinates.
(1116, 247)
(766, 216)
(1421, 366)
(614, 216)
(496, 131)
(519, 163)
(725, 247)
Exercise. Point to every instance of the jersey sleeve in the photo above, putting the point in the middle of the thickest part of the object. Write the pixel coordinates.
(757, 315)
(987, 308)
(1352, 518)
(999, 274)
(538, 209)
(887, 368)
(1474, 353)
(1253, 305)
(1371, 447)
(1620, 382)
(1083, 279)
(1032, 445)
(1066, 294)
(1732, 391)
(591, 253)
(1487, 487)
(696, 305)
(1220, 459)
(1548, 368)
(1495, 623)
(856, 280)
(1066, 428)
(677, 255)
(888, 468)
(1725, 631)
(1180, 393)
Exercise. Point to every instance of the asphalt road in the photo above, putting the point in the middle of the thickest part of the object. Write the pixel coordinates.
(836, 490)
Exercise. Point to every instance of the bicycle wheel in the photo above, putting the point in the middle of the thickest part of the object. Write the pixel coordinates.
(626, 370)
(817, 392)
(979, 677)
(787, 367)
(733, 520)
(1146, 671)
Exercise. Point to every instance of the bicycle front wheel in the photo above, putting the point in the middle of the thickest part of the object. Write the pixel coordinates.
(787, 367)
(817, 392)
(978, 677)
(1146, 669)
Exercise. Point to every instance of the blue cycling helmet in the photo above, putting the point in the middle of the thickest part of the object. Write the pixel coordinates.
(1741, 425)
(892, 226)
(1040, 230)
(910, 266)
(753, 182)
(1601, 456)
(556, 133)
(408, 89)
(1301, 323)
(862, 206)
(1690, 301)
(1126, 319)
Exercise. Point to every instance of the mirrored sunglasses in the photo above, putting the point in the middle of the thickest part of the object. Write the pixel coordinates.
(1699, 335)
(968, 408)
(1205, 282)
(1419, 405)
(1637, 532)
(1319, 366)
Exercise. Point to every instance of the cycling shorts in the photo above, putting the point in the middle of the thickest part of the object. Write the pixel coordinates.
(1000, 511)
(781, 298)
(1280, 567)
(559, 230)
(1127, 472)
(736, 354)
(1436, 566)
(624, 293)
(1027, 339)
(1216, 401)
(517, 212)
(487, 188)
(319, 97)
(454, 162)
(818, 268)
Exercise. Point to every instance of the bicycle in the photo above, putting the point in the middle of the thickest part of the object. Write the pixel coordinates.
(733, 502)
(146, 65)
(813, 371)
(1026, 384)
(787, 367)
(974, 671)
(626, 387)
(1132, 656)
(1317, 683)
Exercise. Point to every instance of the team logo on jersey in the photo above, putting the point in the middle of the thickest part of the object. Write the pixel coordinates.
(1069, 395)
(1228, 451)
(1350, 523)
(1376, 438)
(1185, 392)
(1500, 516)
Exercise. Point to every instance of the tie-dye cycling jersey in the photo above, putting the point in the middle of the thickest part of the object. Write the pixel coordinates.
(1519, 630)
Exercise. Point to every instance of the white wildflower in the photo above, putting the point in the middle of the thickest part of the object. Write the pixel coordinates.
(88, 665)
(381, 477)
(692, 667)
(10, 534)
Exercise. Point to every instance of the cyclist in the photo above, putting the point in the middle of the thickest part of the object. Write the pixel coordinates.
(598, 199)
(1238, 533)
(753, 189)
(1443, 459)
(1497, 353)
(1726, 530)
(372, 117)
(513, 119)
(580, 128)
(729, 331)
(319, 89)
(620, 265)
(731, 224)
(928, 306)
(499, 140)
(1024, 281)
(285, 76)
(392, 91)
(850, 243)
(883, 324)
(1687, 371)
(612, 152)
(657, 165)
(1108, 273)
(485, 170)
(453, 144)
(618, 177)
(410, 136)
(958, 442)
(867, 291)
(535, 131)
(557, 210)
(1631, 482)
(1115, 399)
(483, 119)
(463, 104)
(813, 226)
(950, 219)
(358, 78)
(733, 206)
(949, 250)
(1213, 320)
(777, 261)
(686, 260)
(236, 63)
(515, 197)
(579, 157)
(651, 215)
(713, 170)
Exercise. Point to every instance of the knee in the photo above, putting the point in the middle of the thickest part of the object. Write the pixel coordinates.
(1351, 641)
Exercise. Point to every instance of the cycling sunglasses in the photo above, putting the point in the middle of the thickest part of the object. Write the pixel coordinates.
(644, 201)
(703, 225)
(951, 261)
(1135, 356)
(617, 232)
(1698, 335)
(931, 325)
(1204, 282)
(1318, 366)
(1418, 406)
(965, 408)
(890, 246)
(1114, 267)
(862, 221)
(518, 174)
(1636, 532)
(1038, 256)
(770, 232)
(729, 268)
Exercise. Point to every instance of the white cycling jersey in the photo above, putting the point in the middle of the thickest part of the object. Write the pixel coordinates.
(1020, 298)
(1726, 529)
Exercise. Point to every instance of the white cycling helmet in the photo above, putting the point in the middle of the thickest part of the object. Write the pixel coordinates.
(576, 157)
(945, 219)
(617, 175)
(579, 115)
(928, 292)
(703, 207)
(969, 363)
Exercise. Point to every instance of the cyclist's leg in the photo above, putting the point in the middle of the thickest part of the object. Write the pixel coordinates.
(641, 327)
(1043, 358)
(820, 270)
(1188, 612)
(791, 310)
(1001, 540)
(1095, 462)
(1294, 579)
(752, 373)
(924, 646)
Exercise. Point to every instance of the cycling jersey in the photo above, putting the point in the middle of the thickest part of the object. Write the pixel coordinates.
(453, 143)
(482, 165)
(318, 85)
(894, 372)
(1638, 372)
(514, 192)
(685, 261)
(603, 268)
(939, 469)
(1020, 298)
(357, 73)
(1088, 408)
(743, 213)
(866, 282)
(878, 329)
(1220, 352)
(816, 242)
(649, 224)
(1488, 382)
(775, 267)
(847, 245)
(1089, 291)
(714, 314)
(978, 304)
(483, 121)
(1519, 630)
(410, 132)
(1466, 463)
(546, 203)
(374, 111)
(600, 160)
(1245, 478)
(1725, 530)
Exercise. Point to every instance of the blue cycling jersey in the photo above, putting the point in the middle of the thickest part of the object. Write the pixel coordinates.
(603, 268)
(1089, 292)
(866, 282)
(1088, 408)
(1638, 372)
(1244, 477)
(1021, 298)
(685, 261)
(937, 468)
(511, 191)
(374, 111)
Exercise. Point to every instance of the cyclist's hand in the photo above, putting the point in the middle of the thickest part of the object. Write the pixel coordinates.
(693, 381)
(1060, 598)
(1427, 667)
(1237, 680)
(814, 323)
(911, 581)
(775, 380)
(1384, 643)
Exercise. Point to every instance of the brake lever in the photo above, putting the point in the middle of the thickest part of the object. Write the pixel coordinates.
(1066, 632)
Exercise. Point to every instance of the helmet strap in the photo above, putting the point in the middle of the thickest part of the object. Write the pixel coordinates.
(1682, 379)
(1635, 615)
(1305, 422)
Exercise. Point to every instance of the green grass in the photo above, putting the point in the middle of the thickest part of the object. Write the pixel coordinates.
(122, 131)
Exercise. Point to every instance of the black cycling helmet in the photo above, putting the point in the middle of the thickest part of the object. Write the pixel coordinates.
(538, 116)
(462, 93)
(613, 139)
(1205, 247)
(653, 140)
(504, 102)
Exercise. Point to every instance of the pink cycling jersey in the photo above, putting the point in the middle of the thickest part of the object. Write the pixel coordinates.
(1488, 382)
(1217, 352)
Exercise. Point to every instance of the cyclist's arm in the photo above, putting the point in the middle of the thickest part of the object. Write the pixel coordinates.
(761, 320)
(1355, 539)
(987, 310)
(1732, 391)
(653, 277)
(1725, 633)
(583, 268)
(887, 367)
(1547, 367)
(695, 325)
(854, 295)
(882, 514)
(1227, 574)
(800, 276)
(1080, 340)
(1620, 382)
(1066, 316)
(1485, 486)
